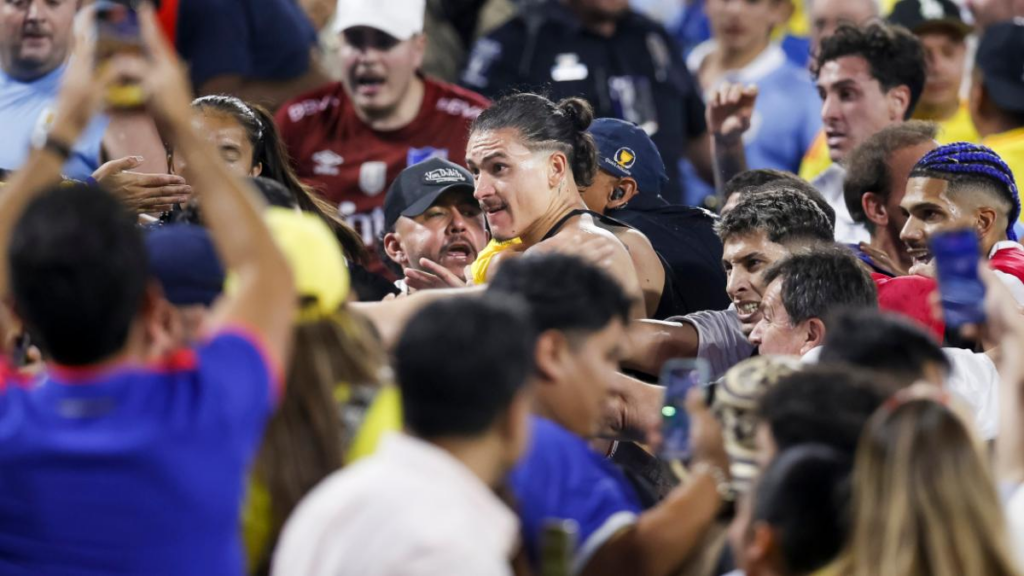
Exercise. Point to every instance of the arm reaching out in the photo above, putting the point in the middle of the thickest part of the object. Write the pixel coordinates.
(728, 115)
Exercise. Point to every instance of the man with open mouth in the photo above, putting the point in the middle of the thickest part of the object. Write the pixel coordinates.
(434, 228)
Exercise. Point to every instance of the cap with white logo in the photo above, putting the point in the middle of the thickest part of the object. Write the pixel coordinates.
(420, 185)
(401, 19)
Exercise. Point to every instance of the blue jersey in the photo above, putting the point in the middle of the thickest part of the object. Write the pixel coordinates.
(27, 108)
(132, 470)
(787, 115)
(562, 478)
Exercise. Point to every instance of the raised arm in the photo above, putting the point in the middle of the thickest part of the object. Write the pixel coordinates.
(728, 115)
(264, 298)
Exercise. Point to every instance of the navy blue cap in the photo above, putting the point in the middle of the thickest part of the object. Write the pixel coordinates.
(1000, 58)
(625, 150)
(182, 258)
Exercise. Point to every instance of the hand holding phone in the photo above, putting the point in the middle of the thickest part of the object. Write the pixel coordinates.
(118, 32)
(962, 292)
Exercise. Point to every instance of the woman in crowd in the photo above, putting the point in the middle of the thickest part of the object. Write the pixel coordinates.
(925, 502)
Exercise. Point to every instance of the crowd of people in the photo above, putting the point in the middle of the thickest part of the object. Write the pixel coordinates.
(356, 287)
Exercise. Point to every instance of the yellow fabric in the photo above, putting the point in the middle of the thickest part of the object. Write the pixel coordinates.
(958, 128)
(256, 523)
(816, 159)
(1010, 147)
(315, 257)
(797, 25)
(384, 416)
(479, 268)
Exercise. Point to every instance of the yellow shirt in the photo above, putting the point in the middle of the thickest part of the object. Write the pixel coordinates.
(816, 159)
(483, 260)
(1010, 147)
(958, 128)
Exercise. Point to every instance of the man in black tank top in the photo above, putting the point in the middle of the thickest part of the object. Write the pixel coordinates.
(626, 191)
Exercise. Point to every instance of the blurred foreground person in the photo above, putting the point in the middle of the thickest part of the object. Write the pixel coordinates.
(112, 464)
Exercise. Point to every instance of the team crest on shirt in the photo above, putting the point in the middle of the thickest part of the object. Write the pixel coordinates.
(625, 157)
(417, 155)
(372, 177)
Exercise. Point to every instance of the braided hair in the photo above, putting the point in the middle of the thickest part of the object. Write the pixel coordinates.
(962, 162)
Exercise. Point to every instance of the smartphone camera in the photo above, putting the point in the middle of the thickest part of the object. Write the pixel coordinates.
(678, 377)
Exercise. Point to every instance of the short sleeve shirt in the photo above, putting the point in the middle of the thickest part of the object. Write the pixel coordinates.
(26, 112)
(258, 39)
(135, 469)
(562, 478)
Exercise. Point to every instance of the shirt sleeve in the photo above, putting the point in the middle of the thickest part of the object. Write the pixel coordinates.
(721, 341)
(236, 372)
(975, 379)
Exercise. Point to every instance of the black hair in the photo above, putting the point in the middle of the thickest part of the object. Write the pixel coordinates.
(804, 495)
(819, 283)
(78, 271)
(881, 342)
(783, 212)
(823, 404)
(564, 292)
(270, 151)
(868, 165)
(463, 396)
(4, 175)
(894, 56)
(545, 125)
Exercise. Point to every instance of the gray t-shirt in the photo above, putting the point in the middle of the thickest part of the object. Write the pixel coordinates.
(721, 341)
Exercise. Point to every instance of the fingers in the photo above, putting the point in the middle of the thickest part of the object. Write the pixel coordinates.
(115, 166)
(176, 183)
(421, 280)
(152, 37)
(443, 273)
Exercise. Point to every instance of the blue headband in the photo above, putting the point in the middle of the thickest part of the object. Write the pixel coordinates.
(965, 158)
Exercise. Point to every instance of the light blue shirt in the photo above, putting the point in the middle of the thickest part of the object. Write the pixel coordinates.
(27, 108)
(787, 115)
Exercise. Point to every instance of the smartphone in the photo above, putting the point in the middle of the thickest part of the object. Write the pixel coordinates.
(118, 32)
(957, 254)
(678, 377)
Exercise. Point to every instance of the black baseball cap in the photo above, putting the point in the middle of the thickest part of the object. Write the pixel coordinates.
(1001, 61)
(923, 16)
(420, 185)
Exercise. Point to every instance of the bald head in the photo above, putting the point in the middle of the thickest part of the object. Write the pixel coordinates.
(826, 15)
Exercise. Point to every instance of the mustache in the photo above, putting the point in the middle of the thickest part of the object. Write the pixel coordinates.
(33, 28)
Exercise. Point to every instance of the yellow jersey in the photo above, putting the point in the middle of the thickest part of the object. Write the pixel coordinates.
(957, 128)
(478, 270)
(1010, 147)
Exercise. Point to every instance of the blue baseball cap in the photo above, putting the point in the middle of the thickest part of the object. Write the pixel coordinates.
(182, 258)
(625, 150)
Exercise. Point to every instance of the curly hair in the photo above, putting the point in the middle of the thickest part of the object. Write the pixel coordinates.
(894, 56)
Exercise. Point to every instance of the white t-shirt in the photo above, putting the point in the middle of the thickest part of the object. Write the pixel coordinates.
(411, 509)
(830, 184)
(974, 378)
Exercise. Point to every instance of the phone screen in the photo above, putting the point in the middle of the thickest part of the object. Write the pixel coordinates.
(956, 256)
(678, 377)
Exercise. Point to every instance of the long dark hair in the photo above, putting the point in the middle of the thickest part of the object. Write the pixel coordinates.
(543, 124)
(270, 151)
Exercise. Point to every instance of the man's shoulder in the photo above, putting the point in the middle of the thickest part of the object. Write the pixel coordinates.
(454, 100)
(313, 106)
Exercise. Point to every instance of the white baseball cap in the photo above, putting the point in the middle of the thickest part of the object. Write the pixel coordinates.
(402, 19)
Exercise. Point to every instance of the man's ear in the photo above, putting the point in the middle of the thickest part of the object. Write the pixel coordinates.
(986, 219)
(874, 208)
(393, 248)
(815, 335)
(550, 355)
(256, 170)
(419, 43)
(899, 103)
(558, 166)
(627, 187)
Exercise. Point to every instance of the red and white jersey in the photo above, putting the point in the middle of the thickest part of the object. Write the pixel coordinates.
(1007, 261)
(352, 165)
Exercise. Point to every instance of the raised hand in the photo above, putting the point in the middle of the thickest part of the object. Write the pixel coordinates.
(729, 111)
(435, 276)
